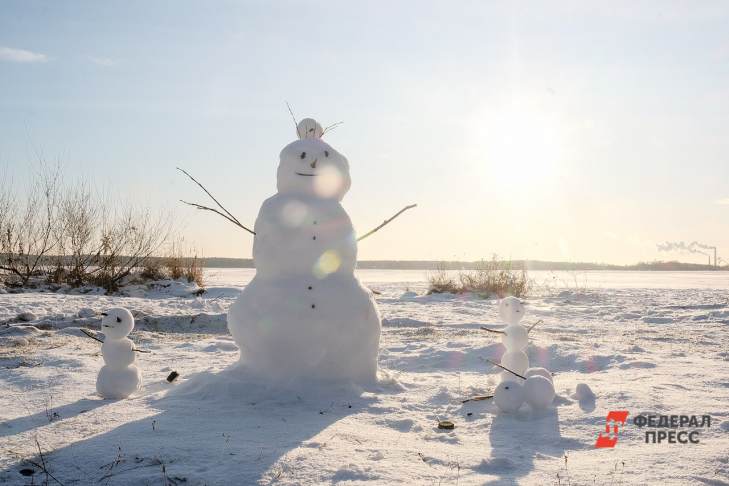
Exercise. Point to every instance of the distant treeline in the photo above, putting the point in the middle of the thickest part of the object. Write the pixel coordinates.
(515, 264)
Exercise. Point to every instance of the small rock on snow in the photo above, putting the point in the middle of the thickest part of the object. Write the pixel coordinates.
(86, 312)
(26, 316)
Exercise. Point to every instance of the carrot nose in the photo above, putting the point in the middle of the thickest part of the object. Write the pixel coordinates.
(313, 164)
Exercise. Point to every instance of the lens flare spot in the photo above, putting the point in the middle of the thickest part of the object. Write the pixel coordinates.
(328, 263)
(294, 213)
(329, 182)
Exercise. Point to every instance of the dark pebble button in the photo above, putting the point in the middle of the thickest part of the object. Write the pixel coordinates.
(313, 306)
(310, 287)
(313, 237)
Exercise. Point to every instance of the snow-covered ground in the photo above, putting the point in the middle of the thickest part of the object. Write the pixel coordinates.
(649, 343)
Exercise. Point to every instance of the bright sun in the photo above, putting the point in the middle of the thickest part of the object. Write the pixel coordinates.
(522, 146)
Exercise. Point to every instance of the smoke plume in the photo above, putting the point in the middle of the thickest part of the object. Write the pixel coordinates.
(693, 247)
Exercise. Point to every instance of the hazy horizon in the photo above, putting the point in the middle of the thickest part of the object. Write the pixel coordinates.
(559, 132)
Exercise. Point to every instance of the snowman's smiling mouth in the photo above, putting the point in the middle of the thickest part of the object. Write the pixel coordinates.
(306, 175)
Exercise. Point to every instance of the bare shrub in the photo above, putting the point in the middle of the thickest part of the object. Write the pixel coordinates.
(67, 234)
(27, 236)
(194, 271)
(441, 282)
(77, 234)
(178, 264)
(129, 238)
(488, 279)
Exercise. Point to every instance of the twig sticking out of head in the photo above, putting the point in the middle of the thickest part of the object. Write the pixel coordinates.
(97, 339)
(492, 330)
(506, 369)
(293, 117)
(534, 325)
(331, 127)
(226, 213)
(387, 221)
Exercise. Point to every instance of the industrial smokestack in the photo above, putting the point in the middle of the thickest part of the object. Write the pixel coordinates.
(716, 265)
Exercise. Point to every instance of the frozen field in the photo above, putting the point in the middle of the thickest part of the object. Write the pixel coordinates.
(650, 343)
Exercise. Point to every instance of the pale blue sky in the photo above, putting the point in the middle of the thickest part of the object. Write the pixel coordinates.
(562, 131)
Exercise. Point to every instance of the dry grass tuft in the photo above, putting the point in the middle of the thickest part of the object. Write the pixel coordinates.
(491, 278)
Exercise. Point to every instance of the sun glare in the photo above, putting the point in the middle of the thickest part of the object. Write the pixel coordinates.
(523, 148)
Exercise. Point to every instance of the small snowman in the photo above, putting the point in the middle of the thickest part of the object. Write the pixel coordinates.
(519, 382)
(119, 377)
(515, 337)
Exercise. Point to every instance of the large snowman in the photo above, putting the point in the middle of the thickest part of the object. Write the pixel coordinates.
(305, 316)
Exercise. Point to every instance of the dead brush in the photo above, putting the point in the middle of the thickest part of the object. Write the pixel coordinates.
(489, 278)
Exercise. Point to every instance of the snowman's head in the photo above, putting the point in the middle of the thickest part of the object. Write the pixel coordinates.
(511, 310)
(309, 166)
(117, 323)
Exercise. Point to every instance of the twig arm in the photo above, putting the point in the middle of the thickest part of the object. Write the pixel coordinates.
(97, 339)
(205, 208)
(534, 325)
(227, 214)
(506, 369)
(387, 221)
(483, 328)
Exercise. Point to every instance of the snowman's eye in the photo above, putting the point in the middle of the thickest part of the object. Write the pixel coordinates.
(118, 319)
(303, 155)
(326, 153)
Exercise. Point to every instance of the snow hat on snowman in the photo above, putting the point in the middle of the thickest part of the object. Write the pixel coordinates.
(311, 167)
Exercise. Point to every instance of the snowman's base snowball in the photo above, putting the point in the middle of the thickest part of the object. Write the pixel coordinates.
(583, 393)
(539, 372)
(538, 392)
(509, 396)
(302, 328)
(117, 383)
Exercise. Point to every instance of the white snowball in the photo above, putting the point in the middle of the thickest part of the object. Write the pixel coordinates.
(118, 353)
(539, 372)
(117, 383)
(509, 396)
(583, 393)
(309, 128)
(538, 392)
(516, 361)
(511, 310)
(287, 331)
(317, 245)
(515, 337)
(117, 323)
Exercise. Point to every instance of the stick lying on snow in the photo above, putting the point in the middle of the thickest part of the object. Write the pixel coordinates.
(97, 339)
(477, 398)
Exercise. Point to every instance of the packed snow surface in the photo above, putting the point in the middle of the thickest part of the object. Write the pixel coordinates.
(652, 344)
